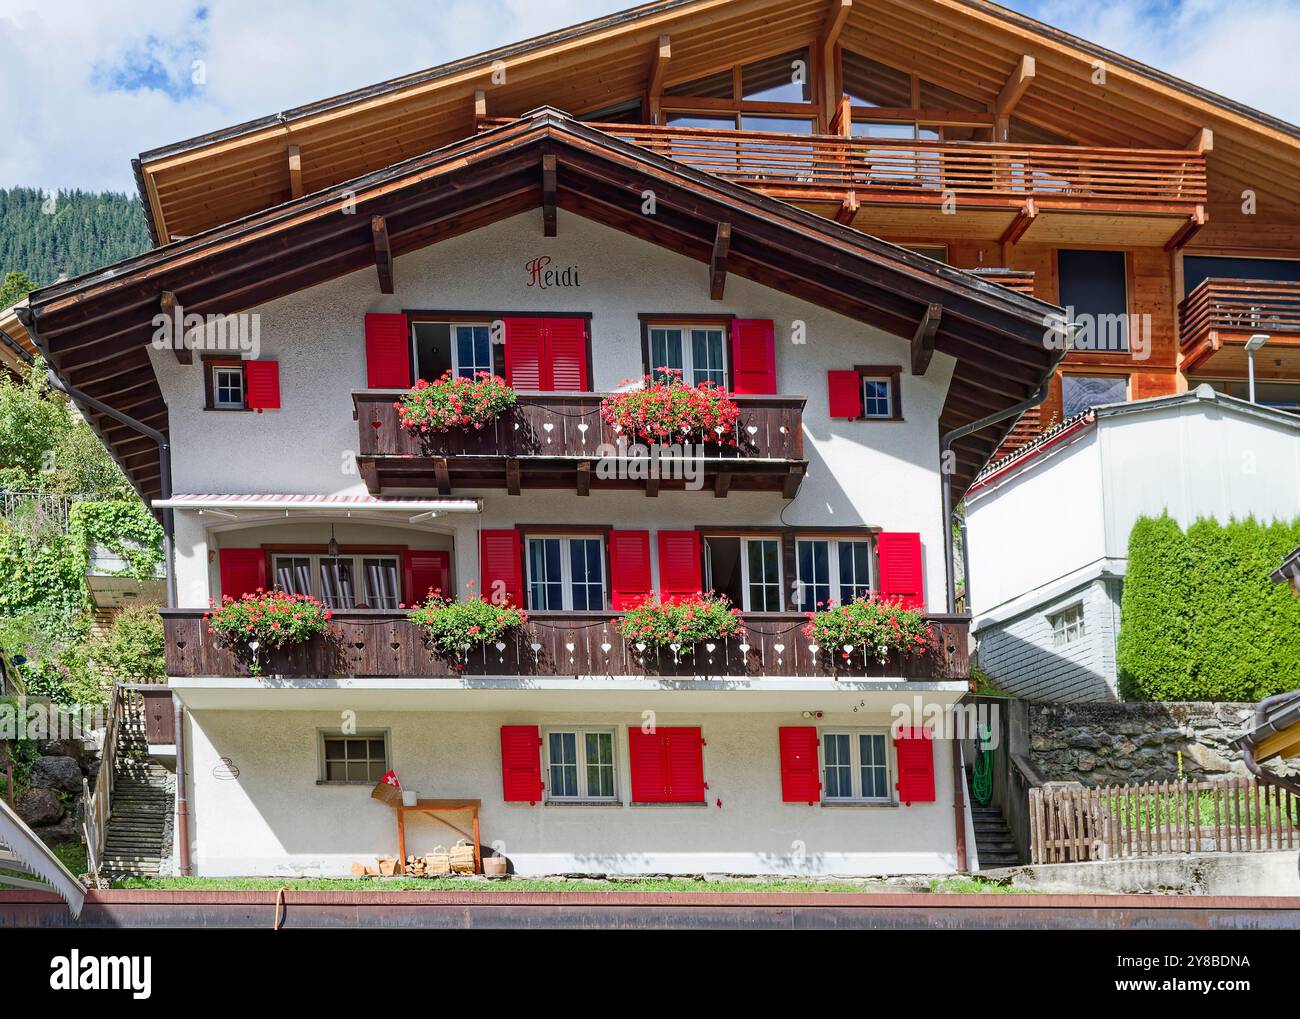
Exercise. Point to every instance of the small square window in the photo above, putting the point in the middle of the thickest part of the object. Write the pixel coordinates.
(226, 387)
(1067, 626)
(877, 400)
(353, 759)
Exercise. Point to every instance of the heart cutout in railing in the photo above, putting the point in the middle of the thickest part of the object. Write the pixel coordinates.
(376, 425)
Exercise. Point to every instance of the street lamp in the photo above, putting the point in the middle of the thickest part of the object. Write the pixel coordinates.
(1253, 344)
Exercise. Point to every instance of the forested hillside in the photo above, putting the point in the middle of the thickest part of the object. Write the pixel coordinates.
(67, 233)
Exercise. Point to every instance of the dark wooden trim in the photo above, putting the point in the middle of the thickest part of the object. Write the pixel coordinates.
(892, 372)
(923, 338)
(211, 361)
(168, 303)
(383, 254)
(549, 226)
(718, 261)
(486, 317)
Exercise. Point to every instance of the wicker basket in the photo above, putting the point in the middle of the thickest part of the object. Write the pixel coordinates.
(386, 793)
(462, 858)
(437, 862)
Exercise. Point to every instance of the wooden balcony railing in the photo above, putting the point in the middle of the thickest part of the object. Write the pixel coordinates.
(1234, 310)
(547, 435)
(1019, 280)
(371, 643)
(998, 175)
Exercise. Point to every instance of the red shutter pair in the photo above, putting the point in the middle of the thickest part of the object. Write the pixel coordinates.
(547, 354)
(243, 571)
(801, 773)
(423, 572)
(629, 566)
(667, 765)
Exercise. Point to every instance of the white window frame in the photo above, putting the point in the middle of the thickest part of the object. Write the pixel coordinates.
(580, 733)
(454, 347)
(566, 570)
(833, 564)
(322, 735)
(744, 572)
(361, 582)
(1069, 625)
(225, 369)
(855, 762)
(889, 397)
(687, 340)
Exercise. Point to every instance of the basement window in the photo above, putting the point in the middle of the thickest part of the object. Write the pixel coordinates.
(353, 759)
(1067, 626)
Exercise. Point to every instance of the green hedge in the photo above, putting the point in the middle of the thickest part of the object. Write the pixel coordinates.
(1201, 618)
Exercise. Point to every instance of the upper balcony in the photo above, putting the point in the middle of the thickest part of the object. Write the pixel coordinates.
(555, 440)
(1220, 315)
(377, 644)
(998, 191)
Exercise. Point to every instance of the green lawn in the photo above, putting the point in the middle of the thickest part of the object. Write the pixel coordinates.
(964, 886)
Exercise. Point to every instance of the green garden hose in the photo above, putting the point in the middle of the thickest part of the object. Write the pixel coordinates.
(982, 784)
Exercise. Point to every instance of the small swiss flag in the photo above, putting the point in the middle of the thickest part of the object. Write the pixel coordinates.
(391, 779)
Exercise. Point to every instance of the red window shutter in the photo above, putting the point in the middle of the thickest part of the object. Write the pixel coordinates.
(800, 776)
(526, 364)
(684, 749)
(901, 576)
(422, 572)
(521, 763)
(629, 568)
(500, 572)
(243, 571)
(914, 749)
(388, 352)
(263, 381)
(753, 356)
(845, 394)
(567, 355)
(679, 564)
(646, 759)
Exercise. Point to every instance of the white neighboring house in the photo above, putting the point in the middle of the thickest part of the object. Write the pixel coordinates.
(1048, 527)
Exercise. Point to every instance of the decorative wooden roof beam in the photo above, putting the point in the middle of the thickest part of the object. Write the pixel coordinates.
(836, 16)
(923, 338)
(480, 108)
(1023, 221)
(1189, 229)
(1202, 141)
(168, 304)
(549, 227)
(718, 262)
(295, 172)
(383, 253)
(658, 68)
(1016, 86)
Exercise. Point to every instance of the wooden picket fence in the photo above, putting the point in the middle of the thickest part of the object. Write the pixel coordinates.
(1238, 815)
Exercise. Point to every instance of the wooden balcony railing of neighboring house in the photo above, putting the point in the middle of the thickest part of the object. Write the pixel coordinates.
(1223, 314)
(1019, 280)
(374, 643)
(554, 440)
(996, 175)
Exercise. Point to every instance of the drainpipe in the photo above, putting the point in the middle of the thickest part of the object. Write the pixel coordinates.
(945, 447)
(959, 804)
(1248, 751)
(182, 796)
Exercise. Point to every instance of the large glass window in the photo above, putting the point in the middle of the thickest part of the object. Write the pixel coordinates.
(473, 351)
(462, 348)
(763, 574)
(746, 570)
(698, 353)
(856, 766)
(832, 569)
(566, 574)
(1081, 392)
(782, 79)
(580, 764)
(341, 582)
(1094, 292)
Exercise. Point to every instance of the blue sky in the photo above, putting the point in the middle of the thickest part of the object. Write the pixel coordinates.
(90, 84)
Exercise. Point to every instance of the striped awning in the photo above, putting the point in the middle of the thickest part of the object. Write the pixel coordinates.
(317, 503)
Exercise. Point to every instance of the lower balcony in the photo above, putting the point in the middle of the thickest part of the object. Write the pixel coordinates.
(1220, 316)
(559, 440)
(378, 644)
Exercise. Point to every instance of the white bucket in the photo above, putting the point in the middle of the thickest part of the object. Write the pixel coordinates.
(410, 797)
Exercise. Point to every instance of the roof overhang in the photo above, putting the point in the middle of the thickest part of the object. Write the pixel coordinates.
(244, 507)
(96, 330)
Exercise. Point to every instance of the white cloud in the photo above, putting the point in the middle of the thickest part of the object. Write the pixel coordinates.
(87, 85)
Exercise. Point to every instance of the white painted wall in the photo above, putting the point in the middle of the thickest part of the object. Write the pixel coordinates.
(274, 819)
(878, 473)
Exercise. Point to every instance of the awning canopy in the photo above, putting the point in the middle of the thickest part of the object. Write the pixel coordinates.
(226, 504)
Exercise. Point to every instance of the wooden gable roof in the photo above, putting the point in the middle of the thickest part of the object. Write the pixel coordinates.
(96, 330)
(969, 47)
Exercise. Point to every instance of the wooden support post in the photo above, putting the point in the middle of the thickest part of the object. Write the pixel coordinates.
(658, 67)
(1023, 221)
(652, 487)
(442, 476)
(1202, 141)
(1188, 230)
(848, 209)
(480, 107)
(168, 304)
(1015, 87)
(722, 484)
(792, 482)
(383, 253)
(548, 195)
(718, 263)
(923, 338)
(836, 15)
(584, 478)
(295, 172)
(512, 476)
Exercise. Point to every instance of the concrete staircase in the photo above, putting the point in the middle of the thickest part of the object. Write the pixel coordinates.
(993, 839)
(143, 799)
